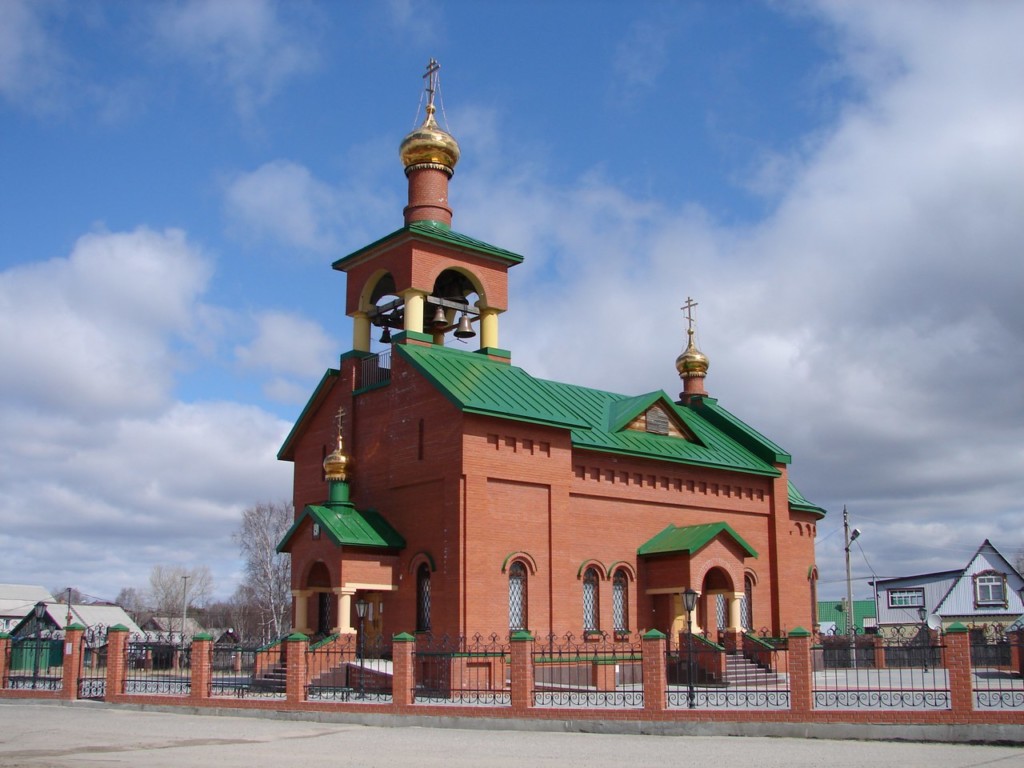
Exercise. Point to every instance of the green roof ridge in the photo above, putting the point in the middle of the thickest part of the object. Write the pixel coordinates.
(690, 538)
(741, 432)
(438, 232)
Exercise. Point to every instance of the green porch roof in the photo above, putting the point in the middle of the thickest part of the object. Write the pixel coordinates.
(437, 232)
(476, 384)
(347, 526)
(691, 538)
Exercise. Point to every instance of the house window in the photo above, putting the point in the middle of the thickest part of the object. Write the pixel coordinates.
(990, 589)
(423, 598)
(591, 622)
(906, 598)
(748, 602)
(620, 601)
(517, 595)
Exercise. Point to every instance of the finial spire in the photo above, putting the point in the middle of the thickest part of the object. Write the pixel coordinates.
(692, 364)
(337, 465)
(431, 77)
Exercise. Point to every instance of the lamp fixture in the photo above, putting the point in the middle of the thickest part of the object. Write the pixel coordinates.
(361, 607)
(690, 599)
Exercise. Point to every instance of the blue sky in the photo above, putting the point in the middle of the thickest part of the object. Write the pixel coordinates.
(840, 185)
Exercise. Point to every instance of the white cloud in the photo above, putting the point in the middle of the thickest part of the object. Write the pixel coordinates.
(30, 58)
(287, 343)
(246, 46)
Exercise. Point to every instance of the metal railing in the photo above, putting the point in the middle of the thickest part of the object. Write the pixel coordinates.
(997, 660)
(596, 670)
(156, 665)
(704, 674)
(338, 668)
(375, 369)
(460, 670)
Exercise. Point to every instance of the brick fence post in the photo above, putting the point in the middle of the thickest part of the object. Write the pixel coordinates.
(801, 672)
(5, 652)
(655, 677)
(1016, 651)
(117, 659)
(295, 678)
(957, 658)
(201, 666)
(879, 642)
(521, 651)
(404, 679)
(72, 660)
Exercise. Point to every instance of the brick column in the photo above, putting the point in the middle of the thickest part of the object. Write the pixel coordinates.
(522, 670)
(1017, 652)
(117, 659)
(879, 652)
(404, 679)
(202, 666)
(295, 685)
(654, 674)
(5, 647)
(801, 671)
(72, 660)
(957, 658)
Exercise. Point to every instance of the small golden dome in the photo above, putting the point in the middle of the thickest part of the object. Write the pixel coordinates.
(429, 145)
(336, 465)
(692, 362)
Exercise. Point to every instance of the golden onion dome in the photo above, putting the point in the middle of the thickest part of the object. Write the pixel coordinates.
(336, 465)
(429, 145)
(692, 362)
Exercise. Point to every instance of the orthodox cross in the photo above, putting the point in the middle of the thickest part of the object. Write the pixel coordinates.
(340, 418)
(688, 306)
(431, 77)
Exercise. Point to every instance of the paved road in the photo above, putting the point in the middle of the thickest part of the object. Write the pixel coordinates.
(93, 735)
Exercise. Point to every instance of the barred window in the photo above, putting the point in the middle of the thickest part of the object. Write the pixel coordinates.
(591, 621)
(620, 601)
(423, 598)
(748, 602)
(517, 596)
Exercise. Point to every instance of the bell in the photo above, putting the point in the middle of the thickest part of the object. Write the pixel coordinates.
(440, 321)
(465, 330)
(385, 338)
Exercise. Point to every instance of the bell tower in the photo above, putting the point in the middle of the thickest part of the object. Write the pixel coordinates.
(425, 280)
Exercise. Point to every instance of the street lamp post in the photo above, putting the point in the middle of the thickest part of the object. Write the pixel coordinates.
(362, 606)
(689, 602)
(850, 537)
(38, 611)
(922, 614)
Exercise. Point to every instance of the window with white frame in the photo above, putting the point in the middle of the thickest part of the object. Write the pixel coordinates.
(906, 598)
(620, 601)
(990, 588)
(517, 596)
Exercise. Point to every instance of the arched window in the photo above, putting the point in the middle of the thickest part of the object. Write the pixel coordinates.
(591, 606)
(517, 596)
(748, 602)
(620, 601)
(423, 598)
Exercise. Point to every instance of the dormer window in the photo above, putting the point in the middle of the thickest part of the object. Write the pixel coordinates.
(657, 421)
(990, 589)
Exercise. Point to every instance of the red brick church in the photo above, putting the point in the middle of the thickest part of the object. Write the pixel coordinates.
(456, 493)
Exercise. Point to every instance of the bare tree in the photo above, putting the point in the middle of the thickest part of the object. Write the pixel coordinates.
(134, 603)
(267, 571)
(168, 588)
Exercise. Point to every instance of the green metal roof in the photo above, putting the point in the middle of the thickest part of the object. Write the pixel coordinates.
(829, 611)
(347, 526)
(690, 538)
(436, 232)
(798, 502)
(741, 432)
(476, 384)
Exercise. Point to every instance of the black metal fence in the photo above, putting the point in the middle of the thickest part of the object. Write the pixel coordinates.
(704, 674)
(996, 661)
(460, 670)
(898, 670)
(596, 670)
(92, 674)
(157, 664)
(248, 671)
(36, 663)
(341, 668)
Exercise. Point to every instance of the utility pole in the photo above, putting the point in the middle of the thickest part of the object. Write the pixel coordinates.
(184, 604)
(850, 537)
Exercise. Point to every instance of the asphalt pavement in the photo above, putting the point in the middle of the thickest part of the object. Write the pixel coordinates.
(88, 735)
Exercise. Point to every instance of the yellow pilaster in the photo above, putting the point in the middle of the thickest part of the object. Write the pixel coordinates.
(344, 596)
(414, 303)
(301, 597)
(488, 327)
(736, 612)
(360, 332)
